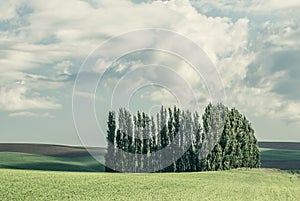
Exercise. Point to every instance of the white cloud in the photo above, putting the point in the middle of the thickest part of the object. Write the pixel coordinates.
(101, 65)
(12, 79)
(121, 68)
(283, 36)
(262, 102)
(78, 27)
(20, 98)
(84, 94)
(233, 69)
(246, 6)
(8, 9)
(275, 4)
(274, 26)
(64, 67)
(31, 114)
(164, 95)
(218, 36)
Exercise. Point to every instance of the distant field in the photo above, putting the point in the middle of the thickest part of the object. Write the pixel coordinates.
(66, 158)
(260, 184)
(50, 157)
(14, 160)
(285, 156)
(279, 154)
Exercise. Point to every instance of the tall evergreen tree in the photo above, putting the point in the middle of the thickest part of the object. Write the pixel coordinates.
(110, 155)
(176, 136)
(226, 141)
(197, 142)
(226, 144)
(163, 134)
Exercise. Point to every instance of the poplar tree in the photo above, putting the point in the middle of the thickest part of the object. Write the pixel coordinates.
(226, 141)
(110, 155)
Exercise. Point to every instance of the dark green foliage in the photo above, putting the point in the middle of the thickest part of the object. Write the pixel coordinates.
(226, 141)
(110, 156)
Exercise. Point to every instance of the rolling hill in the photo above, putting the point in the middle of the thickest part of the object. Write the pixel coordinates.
(284, 156)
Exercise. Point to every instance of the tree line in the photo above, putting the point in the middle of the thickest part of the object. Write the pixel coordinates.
(223, 140)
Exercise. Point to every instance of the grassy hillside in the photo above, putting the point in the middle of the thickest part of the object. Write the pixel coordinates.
(15, 160)
(225, 185)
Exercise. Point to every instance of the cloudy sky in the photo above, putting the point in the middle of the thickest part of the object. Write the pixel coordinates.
(253, 45)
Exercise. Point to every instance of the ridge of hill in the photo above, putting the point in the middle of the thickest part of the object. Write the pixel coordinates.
(280, 145)
(51, 150)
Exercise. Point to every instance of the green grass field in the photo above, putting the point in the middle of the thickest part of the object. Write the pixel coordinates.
(259, 184)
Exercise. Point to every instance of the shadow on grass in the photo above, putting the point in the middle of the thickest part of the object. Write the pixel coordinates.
(283, 165)
(56, 167)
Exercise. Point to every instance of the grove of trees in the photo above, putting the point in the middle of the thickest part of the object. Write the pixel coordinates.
(223, 140)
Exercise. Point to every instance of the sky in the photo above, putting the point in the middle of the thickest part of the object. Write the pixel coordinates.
(48, 60)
